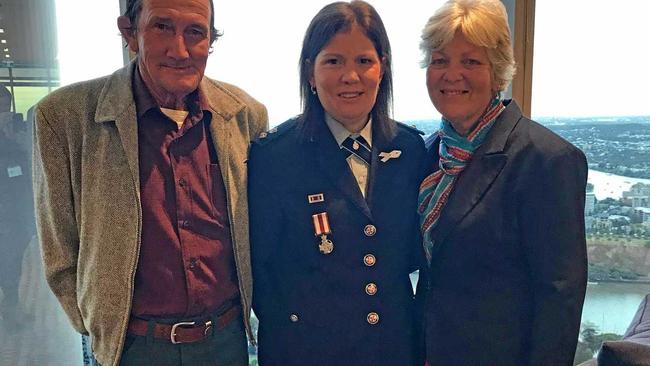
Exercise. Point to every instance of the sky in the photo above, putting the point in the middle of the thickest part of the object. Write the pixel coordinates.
(590, 56)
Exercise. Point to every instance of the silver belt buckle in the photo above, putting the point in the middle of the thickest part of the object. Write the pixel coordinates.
(173, 332)
(208, 326)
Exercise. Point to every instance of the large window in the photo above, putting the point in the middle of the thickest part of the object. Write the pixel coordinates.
(259, 52)
(33, 329)
(36, 37)
(52, 43)
(589, 87)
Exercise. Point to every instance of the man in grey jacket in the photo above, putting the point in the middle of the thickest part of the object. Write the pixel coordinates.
(140, 182)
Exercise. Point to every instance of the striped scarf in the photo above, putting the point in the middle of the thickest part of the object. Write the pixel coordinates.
(455, 152)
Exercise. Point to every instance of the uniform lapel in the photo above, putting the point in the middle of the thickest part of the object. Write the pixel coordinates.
(381, 173)
(486, 165)
(334, 166)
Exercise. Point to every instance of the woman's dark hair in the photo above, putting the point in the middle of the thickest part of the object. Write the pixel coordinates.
(134, 8)
(332, 19)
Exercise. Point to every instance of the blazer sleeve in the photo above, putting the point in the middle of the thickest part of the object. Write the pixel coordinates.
(258, 120)
(553, 236)
(56, 222)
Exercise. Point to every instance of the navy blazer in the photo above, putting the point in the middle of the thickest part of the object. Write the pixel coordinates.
(314, 308)
(509, 270)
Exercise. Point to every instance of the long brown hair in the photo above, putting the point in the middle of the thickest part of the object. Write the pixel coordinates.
(332, 19)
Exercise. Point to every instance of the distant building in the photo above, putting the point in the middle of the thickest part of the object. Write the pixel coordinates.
(590, 203)
(601, 224)
(638, 195)
(590, 223)
(645, 214)
(618, 220)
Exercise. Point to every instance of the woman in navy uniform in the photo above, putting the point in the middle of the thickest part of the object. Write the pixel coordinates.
(333, 194)
(502, 207)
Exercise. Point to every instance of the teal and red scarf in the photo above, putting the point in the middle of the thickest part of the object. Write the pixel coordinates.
(455, 153)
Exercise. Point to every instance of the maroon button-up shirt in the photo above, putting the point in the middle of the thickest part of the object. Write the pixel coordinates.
(186, 266)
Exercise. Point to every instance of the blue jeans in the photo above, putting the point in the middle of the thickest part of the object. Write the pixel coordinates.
(86, 349)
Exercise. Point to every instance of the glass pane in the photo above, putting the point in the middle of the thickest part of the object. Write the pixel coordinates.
(587, 88)
(260, 54)
(33, 328)
(51, 43)
(267, 67)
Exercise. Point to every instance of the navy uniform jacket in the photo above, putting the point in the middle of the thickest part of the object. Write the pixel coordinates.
(313, 308)
(509, 267)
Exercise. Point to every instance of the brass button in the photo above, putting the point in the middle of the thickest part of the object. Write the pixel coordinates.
(369, 260)
(370, 230)
(371, 289)
(294, 318)
(372, 318)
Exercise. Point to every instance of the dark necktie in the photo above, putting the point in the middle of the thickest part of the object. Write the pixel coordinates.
(357, 146)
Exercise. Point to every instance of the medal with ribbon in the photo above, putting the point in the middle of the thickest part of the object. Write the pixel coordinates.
(322, 229)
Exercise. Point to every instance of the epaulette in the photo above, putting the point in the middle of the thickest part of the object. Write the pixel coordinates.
(275, 132)
(411, 129)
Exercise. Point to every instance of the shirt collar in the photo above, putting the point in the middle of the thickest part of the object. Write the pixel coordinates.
(340, 133)
(144, 101)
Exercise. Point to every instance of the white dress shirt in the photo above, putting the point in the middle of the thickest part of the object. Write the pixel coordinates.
(359, 168)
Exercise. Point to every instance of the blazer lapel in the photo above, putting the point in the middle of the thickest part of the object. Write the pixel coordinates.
(231, 153)
(470, 188)
(220, 140)
(116, 103)
(332, 163)
(486, 165)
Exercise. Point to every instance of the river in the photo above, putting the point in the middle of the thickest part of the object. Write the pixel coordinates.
(611, 185)
(611, 306)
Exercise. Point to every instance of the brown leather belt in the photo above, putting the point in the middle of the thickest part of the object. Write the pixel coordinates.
(183, 332)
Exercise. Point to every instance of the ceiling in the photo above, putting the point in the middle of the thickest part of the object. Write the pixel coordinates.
(27, 40)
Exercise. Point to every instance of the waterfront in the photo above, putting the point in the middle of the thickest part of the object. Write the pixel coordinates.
(610, 306)
(611, 185)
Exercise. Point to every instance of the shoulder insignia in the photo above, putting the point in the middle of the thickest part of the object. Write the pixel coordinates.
(411, 128)
(275, 132)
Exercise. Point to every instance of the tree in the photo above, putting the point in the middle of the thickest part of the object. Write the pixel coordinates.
(609, 201)
(589, 336)
(590, 342)
(590, 187)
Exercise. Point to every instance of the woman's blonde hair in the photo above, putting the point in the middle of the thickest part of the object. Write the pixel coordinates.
(484, 23)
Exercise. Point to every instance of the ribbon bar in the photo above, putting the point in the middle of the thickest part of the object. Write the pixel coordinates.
(321, 224)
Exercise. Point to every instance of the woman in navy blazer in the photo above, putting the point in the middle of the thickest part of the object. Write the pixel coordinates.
(332, 197)
(501, 209)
